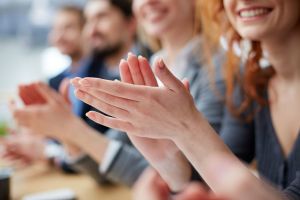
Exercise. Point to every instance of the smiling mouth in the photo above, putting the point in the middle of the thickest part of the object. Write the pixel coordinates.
(254, 13)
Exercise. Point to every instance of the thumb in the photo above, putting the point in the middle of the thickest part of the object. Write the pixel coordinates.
(64, 89)
(186, 84)
(194, 191)
(166, 77)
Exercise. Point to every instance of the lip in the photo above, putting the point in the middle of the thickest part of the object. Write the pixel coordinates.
(156, 17)
(261, 13)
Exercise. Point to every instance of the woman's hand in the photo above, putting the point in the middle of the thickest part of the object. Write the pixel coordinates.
(138, 71)
(151, 186)
(144, 111)
(22, 147)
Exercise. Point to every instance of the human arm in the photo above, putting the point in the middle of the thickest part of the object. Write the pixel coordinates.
(132, 106)
(165, 151)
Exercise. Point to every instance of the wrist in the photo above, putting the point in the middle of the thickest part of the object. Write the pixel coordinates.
(194, 125)
(73, 132)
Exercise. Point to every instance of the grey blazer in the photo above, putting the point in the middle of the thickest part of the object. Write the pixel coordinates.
(128, 164)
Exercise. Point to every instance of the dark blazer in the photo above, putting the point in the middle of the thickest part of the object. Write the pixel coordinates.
(56, 80)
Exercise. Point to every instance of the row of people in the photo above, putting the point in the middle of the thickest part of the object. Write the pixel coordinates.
(181, 128)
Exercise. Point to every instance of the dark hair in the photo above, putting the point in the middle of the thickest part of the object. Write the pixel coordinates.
(75, 10)
(124, 5)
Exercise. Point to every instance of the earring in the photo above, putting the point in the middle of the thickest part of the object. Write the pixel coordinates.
(242, 49)
(224, 43)
(246, 49)
(263, 61)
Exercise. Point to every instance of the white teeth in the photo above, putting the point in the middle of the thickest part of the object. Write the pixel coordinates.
(253, 13)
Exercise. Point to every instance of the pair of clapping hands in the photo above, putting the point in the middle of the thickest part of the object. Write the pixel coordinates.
(45, 110)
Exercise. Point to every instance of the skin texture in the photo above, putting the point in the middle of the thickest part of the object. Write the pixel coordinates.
(127, 99)
(66, 33)
(22, 148)
(97, 92)
(165, 151)
(47, 112)
(151, 186)
(278, 32)
(108, 32)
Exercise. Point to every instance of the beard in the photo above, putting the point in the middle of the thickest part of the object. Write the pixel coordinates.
(107, 51)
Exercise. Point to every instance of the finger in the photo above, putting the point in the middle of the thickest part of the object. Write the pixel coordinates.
(12, 105)
(36, 96)
(27, 95)
(186, 84)
(193, 192)
(24, 116)
(147, 72)
(114, 88)
(48, 93)
(110, 122)
(75, 82)
(64, 89)
(101, 105)
(135, 71)
(125, 72)
(125, 104)
(30, 95)
(23, 95)
(166, 77)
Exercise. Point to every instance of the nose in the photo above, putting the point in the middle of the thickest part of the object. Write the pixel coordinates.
(91, 29)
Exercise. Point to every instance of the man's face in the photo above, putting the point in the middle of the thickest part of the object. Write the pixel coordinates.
(66, 34)
(106, 27)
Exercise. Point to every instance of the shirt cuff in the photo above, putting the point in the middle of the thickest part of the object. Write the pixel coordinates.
(53, 150)
(109, 155)
(74, 159)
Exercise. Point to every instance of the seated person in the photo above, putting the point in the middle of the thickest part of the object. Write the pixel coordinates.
(261, 93)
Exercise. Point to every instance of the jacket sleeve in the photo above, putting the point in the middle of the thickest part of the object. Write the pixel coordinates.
(125, 167)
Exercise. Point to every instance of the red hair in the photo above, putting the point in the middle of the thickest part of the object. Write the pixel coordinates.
(253, 80)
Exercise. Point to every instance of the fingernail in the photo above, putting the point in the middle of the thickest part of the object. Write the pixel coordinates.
(74, 80)
(84, 82)
(89, 114)
(140, 57)
(130, 54)
(161, 63)
(122, 61)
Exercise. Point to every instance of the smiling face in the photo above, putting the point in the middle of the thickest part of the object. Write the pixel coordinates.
(262, 19)
(159, 16)
(106, 27)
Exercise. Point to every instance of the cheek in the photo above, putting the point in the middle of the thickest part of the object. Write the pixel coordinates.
(229, 9)
(137, 7)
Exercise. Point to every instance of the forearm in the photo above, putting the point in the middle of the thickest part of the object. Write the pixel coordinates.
(167, 159)
(89, 141)
(221, 170)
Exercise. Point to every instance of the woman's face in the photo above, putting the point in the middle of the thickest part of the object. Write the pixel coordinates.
(263, 19)
(159, 16)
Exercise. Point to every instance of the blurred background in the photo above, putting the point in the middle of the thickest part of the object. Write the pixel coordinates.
(25, 54)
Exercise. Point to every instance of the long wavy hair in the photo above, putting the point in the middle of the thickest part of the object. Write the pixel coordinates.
(252, 79)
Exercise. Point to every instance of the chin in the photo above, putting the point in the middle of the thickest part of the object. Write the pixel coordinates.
(156, 31)
(254, 34)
